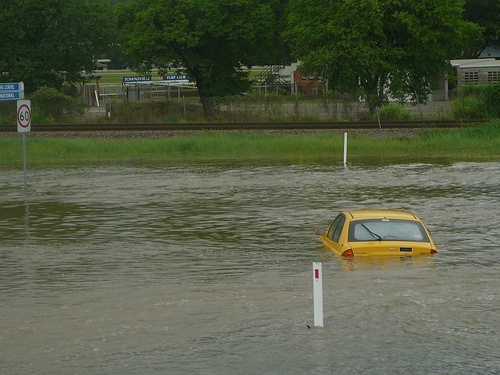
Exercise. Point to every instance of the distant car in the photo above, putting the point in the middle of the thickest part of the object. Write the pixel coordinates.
(377, 232)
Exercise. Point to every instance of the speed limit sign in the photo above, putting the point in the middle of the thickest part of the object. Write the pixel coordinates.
(23, 116)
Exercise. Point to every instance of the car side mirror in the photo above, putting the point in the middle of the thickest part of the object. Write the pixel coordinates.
(320, 231)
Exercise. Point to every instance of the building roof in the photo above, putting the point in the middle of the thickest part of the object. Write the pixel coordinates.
(475, 63)
(490, 51)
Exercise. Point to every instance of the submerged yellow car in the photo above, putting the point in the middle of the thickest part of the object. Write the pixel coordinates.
(377, 232)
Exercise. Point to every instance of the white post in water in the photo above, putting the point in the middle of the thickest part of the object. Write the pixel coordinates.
(318, 294)
(345, 150)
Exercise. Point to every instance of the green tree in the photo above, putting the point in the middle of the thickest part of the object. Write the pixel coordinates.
(44, 42)
(485, 13)
(378, 47)
(210, 40)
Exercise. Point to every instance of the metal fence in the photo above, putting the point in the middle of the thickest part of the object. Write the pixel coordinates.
(262, 103)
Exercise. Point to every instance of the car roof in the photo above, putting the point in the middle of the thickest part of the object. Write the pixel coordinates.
(374, 214)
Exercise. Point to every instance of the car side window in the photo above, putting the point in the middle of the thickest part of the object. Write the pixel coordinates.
(336, 228)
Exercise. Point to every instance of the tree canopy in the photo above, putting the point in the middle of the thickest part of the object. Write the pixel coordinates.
(209, 40)
(383, 47)
(44, 42)
(485, 13)
(374, 48)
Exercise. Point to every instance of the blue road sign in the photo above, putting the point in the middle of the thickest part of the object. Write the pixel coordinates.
(11, 95)
(10, 87)
(11, 91)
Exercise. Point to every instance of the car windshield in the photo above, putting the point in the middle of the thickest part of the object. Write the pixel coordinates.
(387, 230)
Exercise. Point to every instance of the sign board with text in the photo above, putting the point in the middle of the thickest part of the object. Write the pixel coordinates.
(11, 91)
(135, 79)
(177, 78)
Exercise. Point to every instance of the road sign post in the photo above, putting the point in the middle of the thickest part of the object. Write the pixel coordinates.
(23, 127)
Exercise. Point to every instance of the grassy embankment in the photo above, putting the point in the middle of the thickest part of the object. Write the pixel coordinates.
(479, 143)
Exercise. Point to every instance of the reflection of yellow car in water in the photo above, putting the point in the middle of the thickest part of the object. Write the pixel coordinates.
(386, 262)
(377, 232)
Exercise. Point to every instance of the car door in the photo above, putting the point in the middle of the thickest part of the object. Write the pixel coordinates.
(334, 233)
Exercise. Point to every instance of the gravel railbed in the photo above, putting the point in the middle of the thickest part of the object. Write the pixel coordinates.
(159, 134)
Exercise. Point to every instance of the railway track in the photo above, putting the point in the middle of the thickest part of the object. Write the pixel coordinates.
(242, 126)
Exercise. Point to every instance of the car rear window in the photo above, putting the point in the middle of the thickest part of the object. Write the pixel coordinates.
(387, 230)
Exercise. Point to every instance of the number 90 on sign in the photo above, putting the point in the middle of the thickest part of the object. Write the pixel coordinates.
(23, 116)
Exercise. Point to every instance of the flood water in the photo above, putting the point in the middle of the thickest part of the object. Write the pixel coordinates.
(207, 269)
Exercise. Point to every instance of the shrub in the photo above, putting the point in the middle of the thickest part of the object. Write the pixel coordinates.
(52, 105)
(8, 112)
(39, 118)
(491, 98)
(394, 112)
(469, 108)
(477, 102)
